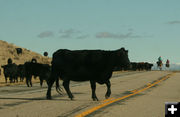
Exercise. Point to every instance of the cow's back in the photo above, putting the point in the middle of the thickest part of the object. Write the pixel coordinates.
(81, 58)
(10, 69)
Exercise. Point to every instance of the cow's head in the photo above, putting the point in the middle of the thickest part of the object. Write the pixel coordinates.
(122, 59)
(34, 60)
(150, 65)
(9, 61)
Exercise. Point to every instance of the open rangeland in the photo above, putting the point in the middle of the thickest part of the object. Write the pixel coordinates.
(137, 94)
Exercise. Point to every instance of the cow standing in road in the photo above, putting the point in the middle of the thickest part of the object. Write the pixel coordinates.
(148, 66)
(10, 71)
(86, 65)
(141, 66)
(36, 69)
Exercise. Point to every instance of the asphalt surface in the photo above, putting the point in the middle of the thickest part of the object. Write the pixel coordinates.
(22, 101)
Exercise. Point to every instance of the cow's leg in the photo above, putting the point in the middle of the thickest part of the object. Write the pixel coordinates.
(41, 81)
(11, 79)
(93, 87)
(50, 83)
(66, 86)
(27, 81)
(5, 79)
(30, 81)
(16, 79)
(108, 93)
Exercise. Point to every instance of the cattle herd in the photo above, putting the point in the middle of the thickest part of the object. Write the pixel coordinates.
(26, 70)
(95, 66)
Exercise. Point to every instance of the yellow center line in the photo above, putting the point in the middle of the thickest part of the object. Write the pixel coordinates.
(112, 100)
(108, 99)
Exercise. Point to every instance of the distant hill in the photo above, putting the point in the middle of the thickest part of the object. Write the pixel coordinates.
(8, 50)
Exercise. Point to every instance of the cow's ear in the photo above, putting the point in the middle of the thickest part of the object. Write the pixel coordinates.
(123, 48)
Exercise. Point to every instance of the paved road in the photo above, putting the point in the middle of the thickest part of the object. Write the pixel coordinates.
(22, 101)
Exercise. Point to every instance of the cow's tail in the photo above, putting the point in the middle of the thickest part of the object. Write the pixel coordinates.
(59, 89)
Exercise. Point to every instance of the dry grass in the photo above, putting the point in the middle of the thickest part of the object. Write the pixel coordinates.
(9, 51)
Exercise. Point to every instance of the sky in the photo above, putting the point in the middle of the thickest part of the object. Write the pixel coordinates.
(146, 28)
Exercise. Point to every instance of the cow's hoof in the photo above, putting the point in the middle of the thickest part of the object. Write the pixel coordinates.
(107, 96)
(72, 97)
(95, 99)
(48, 97)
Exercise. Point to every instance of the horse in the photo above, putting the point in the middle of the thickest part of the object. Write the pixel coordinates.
(167, 65)
(159, 64)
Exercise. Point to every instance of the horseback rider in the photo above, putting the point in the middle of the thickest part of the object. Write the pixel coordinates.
(159, 63)
(167, 62)
(160, 59)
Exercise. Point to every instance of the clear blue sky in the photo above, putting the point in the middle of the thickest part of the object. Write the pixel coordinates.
(147, 28)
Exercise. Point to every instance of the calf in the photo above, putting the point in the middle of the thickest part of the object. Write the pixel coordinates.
(36, 69)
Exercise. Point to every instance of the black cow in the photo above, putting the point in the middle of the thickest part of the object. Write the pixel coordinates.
(36, 69)
(86, 65)
(134, 66)
(21, 72)
(141, 66)
(19, 50)
(148, 66)
(10, 70)
(144, 66)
